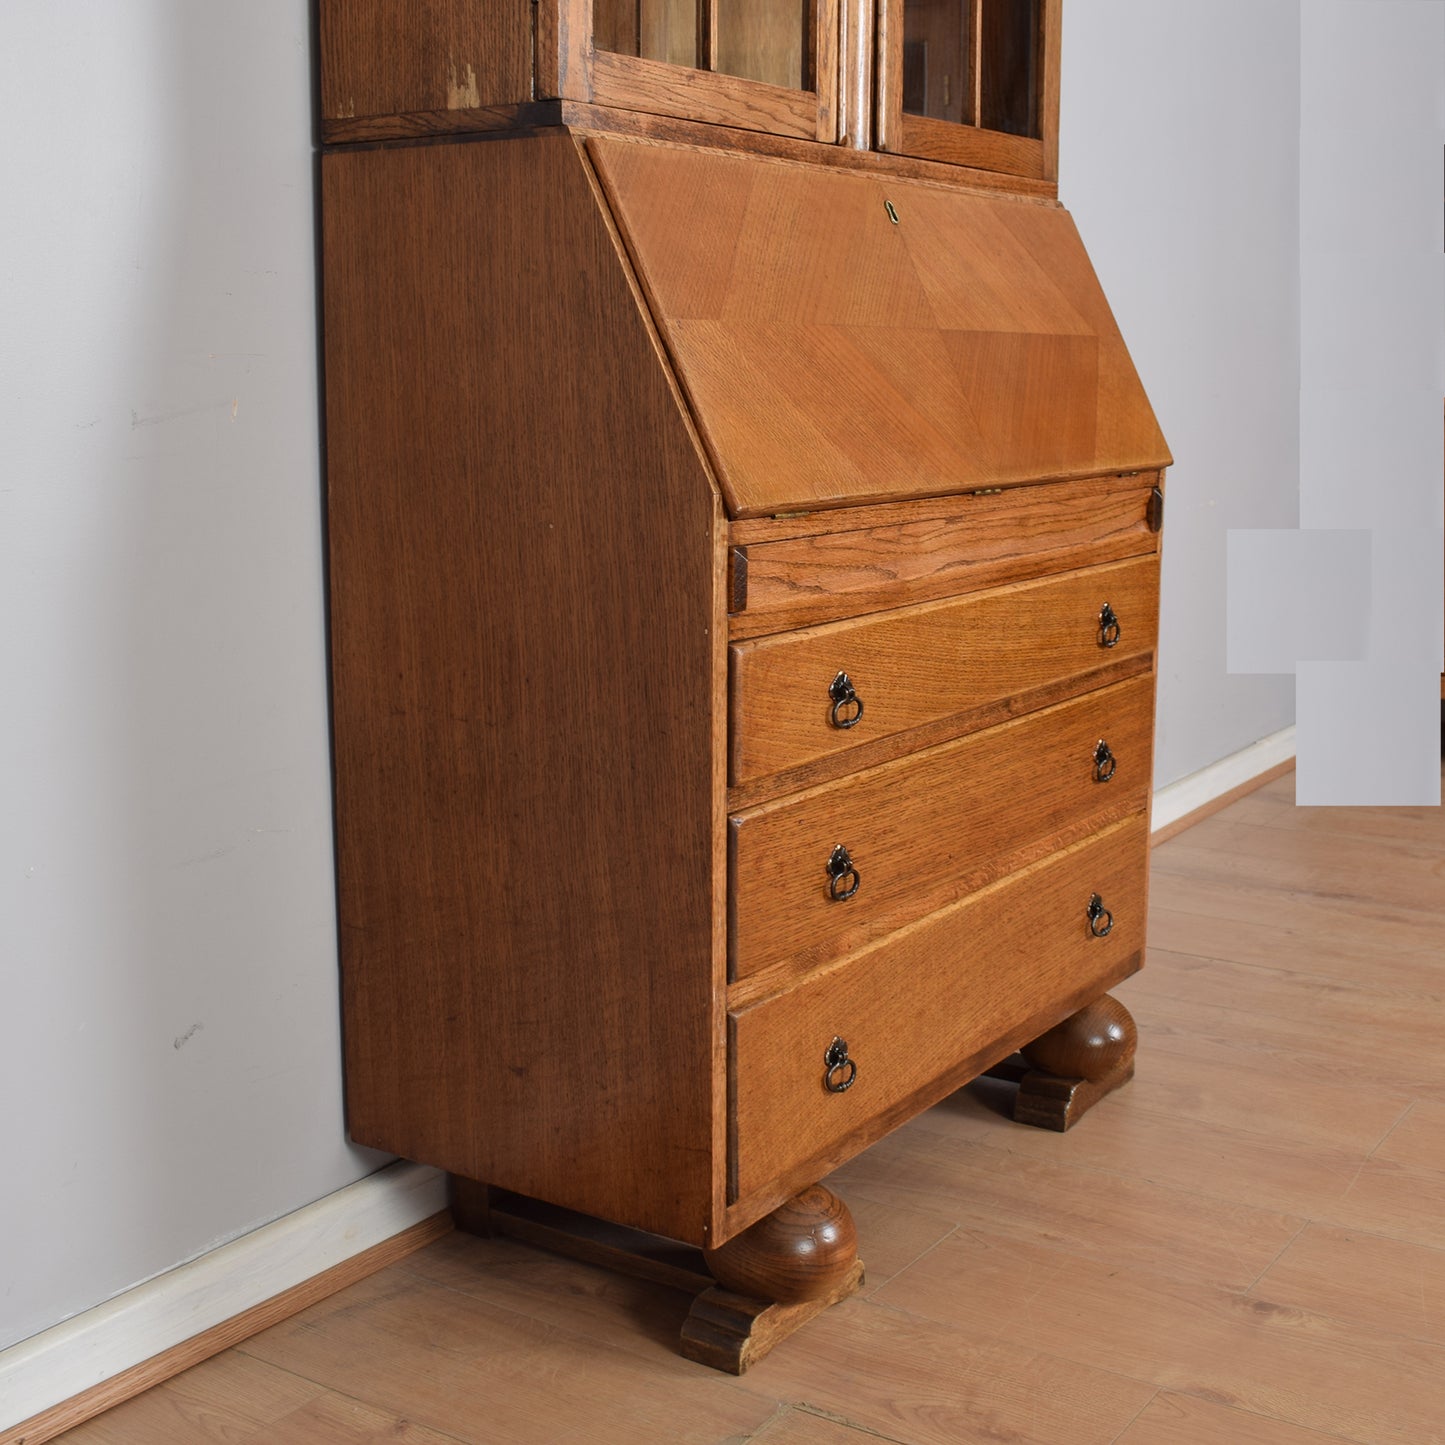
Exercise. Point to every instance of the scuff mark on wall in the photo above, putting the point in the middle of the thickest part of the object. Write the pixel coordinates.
(462, 93)
(190, 1033)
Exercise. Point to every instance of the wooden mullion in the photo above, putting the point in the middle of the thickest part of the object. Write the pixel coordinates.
(1050, 46)
(823, 48)
(707, 35)
(888, 58)
(975, 62)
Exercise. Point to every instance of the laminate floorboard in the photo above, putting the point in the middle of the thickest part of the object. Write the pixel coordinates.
(1244, 1246)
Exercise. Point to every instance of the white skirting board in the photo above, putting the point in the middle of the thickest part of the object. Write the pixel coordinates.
(71, 1357)
(1198, 790)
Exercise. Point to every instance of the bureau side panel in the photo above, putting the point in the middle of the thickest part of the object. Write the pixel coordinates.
(526, 610)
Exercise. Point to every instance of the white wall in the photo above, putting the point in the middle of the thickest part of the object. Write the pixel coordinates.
(1180, 162)
(169, 1059)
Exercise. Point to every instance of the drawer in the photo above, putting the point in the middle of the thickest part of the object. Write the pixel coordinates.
(929, 1007)
(926, 830)
(928, 550)
(921, 664)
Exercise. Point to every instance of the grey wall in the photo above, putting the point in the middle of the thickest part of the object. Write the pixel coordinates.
(1180, 162)
(169, 1064)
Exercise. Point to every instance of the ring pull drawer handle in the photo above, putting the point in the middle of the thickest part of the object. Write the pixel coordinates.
(841, 1069)
(847, 709)
(1109, 629)
(843, 879)
(1101, 921)
(1105, 763)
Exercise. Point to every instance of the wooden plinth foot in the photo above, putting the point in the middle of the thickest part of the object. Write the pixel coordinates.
(1065, 1072)
(749, 1294)
(730, 1331)
(1049, 1102)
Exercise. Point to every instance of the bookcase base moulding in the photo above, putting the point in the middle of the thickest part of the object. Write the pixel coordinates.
(744, 592)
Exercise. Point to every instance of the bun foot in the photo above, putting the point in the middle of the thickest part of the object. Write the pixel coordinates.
(1076, 1064)
(772, 1278)
(801, 1251)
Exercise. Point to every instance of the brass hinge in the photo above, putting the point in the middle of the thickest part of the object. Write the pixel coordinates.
(1155, 514)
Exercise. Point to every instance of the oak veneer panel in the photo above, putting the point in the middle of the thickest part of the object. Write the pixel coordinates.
(922, 1004)
(388, 57)
(960, 544)
(919, 664)
(526, 622)
(834, 357)
(928, 829)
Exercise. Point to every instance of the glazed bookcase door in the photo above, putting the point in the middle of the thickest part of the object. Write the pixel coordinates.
(764, 65)
(974, 82)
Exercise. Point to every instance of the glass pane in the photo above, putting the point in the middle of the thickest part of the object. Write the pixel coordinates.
(767, 40)
(1010, 66)
(653, 29)
(936, 49)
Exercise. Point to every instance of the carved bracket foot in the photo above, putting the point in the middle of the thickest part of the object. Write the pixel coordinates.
(1065, 1072)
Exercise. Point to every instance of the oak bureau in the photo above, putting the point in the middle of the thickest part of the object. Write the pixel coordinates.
(744, 525)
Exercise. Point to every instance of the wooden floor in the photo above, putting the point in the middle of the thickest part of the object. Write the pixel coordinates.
(1245, 1246)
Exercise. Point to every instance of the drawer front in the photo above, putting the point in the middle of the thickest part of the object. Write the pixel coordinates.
(929, 1007)
(921, 664)
(925, 831)
(939, 549)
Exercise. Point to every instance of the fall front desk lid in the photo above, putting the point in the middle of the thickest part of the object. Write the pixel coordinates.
(845, 337)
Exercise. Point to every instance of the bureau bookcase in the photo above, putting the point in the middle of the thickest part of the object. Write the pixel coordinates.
(744, 525)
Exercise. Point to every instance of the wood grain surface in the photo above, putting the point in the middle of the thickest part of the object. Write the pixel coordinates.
(526, 611)
(895, 360)
(832, 766)
(930, 828)
(420, 124)
(941, 548)
(930, 1006)
(918, 664)
(379, 58)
